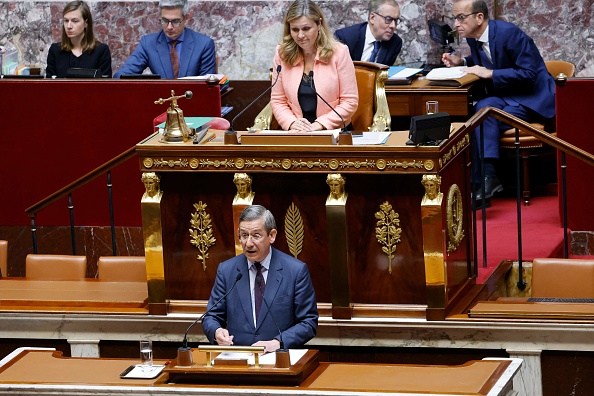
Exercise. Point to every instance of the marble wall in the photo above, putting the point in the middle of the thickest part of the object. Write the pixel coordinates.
(246, 32)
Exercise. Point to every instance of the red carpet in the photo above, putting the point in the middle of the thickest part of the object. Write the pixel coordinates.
(542, 232)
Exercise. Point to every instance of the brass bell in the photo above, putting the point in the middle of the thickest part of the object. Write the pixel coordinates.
(176, 130)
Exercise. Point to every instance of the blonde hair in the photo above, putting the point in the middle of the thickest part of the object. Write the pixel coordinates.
(289, 51)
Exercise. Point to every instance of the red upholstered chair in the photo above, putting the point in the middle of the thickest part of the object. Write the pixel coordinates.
(4, 258)
(122, 268)
(55, 267)
(529, 145)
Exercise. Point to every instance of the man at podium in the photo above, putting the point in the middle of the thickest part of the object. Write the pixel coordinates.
(271, 301)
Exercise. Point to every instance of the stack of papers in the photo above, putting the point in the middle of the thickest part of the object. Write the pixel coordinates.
(446, 73)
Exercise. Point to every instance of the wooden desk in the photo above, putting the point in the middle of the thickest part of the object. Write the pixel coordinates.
(420, 279)
(41, 372)
(409, 100)
(511, 308)
(17, 294)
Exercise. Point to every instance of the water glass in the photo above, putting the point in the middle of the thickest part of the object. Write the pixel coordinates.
(146, 354)
(432, 106)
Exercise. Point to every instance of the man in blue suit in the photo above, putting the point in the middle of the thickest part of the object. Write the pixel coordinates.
(375, 40)
(515, 75)
(175, 51)
(284, 281)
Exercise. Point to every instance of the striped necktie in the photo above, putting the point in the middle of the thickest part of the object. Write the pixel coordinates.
(259, 288)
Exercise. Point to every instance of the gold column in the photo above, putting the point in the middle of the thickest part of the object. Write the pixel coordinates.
(153, 243)
(433, 242)
(243, 199)
(337, 246)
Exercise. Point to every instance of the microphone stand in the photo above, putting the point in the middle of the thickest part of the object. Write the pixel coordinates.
(283, 359)
(184, 353)
(231, 133)
(345, 137)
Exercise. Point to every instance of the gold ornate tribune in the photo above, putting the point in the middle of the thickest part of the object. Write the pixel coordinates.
(384, 229)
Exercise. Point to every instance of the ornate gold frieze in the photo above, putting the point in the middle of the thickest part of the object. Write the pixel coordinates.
(456, 148)
(454, 218)
(310, 164)
(161, 163)
(356, 164)
(405, 164)
(201, 232)
(205, 163)
(388, 231)
(294, 230)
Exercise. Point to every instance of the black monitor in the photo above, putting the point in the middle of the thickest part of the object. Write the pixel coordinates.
(141, 76)
(440, 32)
(429, 129)
(79, 72)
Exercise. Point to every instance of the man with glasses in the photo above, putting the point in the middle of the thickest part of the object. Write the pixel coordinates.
(261, 274)
(375, 40)
(175, 51)
(515, 75)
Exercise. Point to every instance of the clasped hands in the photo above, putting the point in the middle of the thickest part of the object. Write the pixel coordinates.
(303, 125)
(454, 60)
(223, 337)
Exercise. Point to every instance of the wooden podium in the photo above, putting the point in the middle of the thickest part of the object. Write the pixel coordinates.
(382, 249)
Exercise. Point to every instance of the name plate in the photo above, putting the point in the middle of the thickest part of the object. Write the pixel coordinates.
(277, 138)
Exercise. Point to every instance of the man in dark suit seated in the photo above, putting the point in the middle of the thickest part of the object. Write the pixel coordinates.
(515, 75)
(267, 276)
(175, 51)
(375, 40)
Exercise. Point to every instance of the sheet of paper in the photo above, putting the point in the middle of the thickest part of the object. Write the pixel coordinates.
(446, 73)
(268, 358)
(370, 138)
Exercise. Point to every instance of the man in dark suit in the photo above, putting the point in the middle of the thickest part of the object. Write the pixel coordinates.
(175, 51)
(375, 40)
(284, 281)
(515, 75)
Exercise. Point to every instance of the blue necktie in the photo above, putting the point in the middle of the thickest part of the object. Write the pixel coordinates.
(483, 56)
(375, 51)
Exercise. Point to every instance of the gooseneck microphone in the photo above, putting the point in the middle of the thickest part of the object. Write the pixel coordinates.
(185, 341)
(280, 334)
(311, 83)
(231, 129)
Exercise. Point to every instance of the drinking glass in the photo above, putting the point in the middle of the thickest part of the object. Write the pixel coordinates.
(432, 106)
(146, 354)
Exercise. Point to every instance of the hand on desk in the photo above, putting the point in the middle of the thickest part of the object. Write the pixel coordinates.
(271, 345)
(303, 125)
(480, 71)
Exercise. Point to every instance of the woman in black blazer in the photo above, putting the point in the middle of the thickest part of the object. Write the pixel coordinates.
(79, 47)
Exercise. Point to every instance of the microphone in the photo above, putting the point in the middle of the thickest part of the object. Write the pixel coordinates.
(185, 341)
(280, 334)
(231, 129)
(311, 83)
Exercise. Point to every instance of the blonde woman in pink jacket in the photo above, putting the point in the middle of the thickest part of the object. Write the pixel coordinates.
(309, 53)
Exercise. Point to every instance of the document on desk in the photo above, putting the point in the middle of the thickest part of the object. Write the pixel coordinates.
(268, 358)
(370, 138)
(446, 73)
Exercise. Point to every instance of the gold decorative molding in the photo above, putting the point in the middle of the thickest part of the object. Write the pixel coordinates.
(201, 232)
(293, 164)
(455, 149)
(405, 164)
(311, 164)
(388, 231)
(454, 218)
(294, 230)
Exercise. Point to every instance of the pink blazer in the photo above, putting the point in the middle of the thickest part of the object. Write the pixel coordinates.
(334, 80)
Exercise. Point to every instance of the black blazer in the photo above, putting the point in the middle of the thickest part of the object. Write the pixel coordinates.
(59, 61)
(354, 38)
